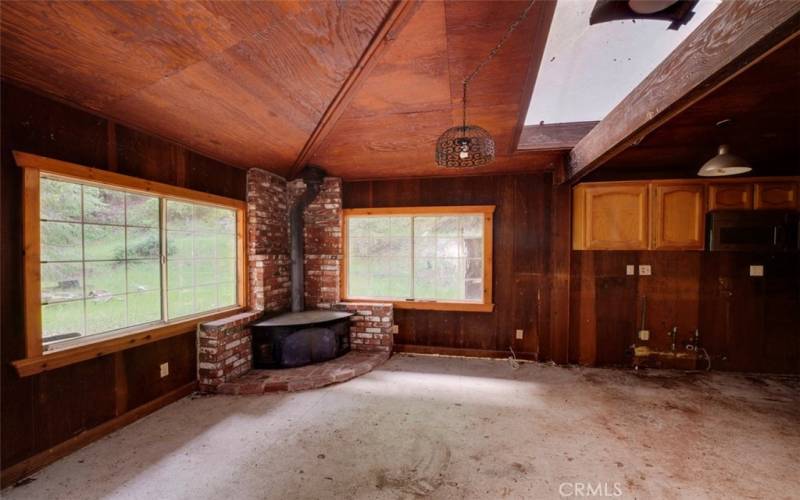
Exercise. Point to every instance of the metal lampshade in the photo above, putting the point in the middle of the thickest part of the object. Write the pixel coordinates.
(725, 163)
(465, 146)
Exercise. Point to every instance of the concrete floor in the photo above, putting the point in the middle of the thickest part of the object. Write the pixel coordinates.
(456, 428)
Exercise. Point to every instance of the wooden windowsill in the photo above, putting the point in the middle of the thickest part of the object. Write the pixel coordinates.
(70, 355)
(444, 306)
(429, 305)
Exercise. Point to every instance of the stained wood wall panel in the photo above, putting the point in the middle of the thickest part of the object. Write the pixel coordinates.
(521, 269)
(746, 323)
(44, 410)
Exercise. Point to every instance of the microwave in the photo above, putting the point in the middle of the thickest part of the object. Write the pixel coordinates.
(753, 230)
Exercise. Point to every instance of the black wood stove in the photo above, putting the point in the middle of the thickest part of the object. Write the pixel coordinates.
(300, 338)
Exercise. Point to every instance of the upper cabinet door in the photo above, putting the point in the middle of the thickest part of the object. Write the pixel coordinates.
(611, 217)
(678, 216)
(775, 195)
(730, 197)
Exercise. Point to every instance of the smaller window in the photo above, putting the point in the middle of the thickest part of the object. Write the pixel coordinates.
(431, 258)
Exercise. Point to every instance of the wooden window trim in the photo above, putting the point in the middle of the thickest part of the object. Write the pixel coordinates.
(89, 175)
(37, 361)
(487, 211)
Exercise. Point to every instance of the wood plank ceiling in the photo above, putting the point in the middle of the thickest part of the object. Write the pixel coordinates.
(244, 82)
(248, 82)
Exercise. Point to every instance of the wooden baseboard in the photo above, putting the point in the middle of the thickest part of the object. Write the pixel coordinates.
(456, 351)
(30, 465)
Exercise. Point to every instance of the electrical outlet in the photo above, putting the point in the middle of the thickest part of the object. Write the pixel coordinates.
(644, 335)
(757, 271)
(644, 270)
(630, 269)
(164, 369)
(519, 334)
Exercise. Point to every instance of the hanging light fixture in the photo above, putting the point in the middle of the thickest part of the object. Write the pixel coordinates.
(725, 163)
(469, 146)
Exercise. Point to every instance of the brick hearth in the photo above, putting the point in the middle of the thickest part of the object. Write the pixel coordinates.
(351, 365)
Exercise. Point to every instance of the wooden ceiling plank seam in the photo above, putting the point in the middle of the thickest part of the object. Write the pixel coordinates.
(543, 22)
(240, 38)
(743, 33)
(400, 14)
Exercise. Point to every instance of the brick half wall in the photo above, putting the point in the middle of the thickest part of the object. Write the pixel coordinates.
(372, 327)
(224, 349)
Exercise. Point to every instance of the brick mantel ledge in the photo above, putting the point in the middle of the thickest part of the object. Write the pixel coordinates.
(233, 321)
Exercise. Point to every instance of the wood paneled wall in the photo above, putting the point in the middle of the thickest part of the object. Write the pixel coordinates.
(44, 410)
(525, 286)
(746, 323)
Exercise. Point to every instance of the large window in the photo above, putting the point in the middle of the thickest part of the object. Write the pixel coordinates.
(437, 258)
(109, 256)
(100, 268)
(101, 259)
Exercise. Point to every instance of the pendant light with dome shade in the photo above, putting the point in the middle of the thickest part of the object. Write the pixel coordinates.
(724, 163)
(469, 146)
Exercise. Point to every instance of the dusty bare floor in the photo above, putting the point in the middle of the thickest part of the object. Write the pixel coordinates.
(455, 428)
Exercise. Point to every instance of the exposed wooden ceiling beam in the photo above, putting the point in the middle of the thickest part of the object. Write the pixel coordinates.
(734, 37)
(553, 136)
(400, 14)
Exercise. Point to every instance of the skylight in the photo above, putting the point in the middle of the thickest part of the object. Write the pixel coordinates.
(587, 70)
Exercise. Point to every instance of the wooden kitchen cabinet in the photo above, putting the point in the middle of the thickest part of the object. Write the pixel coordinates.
(678, 216)
(775, 195)
(730, 196)
(611, 217)
(667, 214)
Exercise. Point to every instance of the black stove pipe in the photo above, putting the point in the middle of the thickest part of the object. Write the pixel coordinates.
(313, 177)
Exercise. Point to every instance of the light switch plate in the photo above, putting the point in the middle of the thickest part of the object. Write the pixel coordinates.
(645, 270)
(757, 270)
(519, 334)
(164, 369)
(630, 269)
